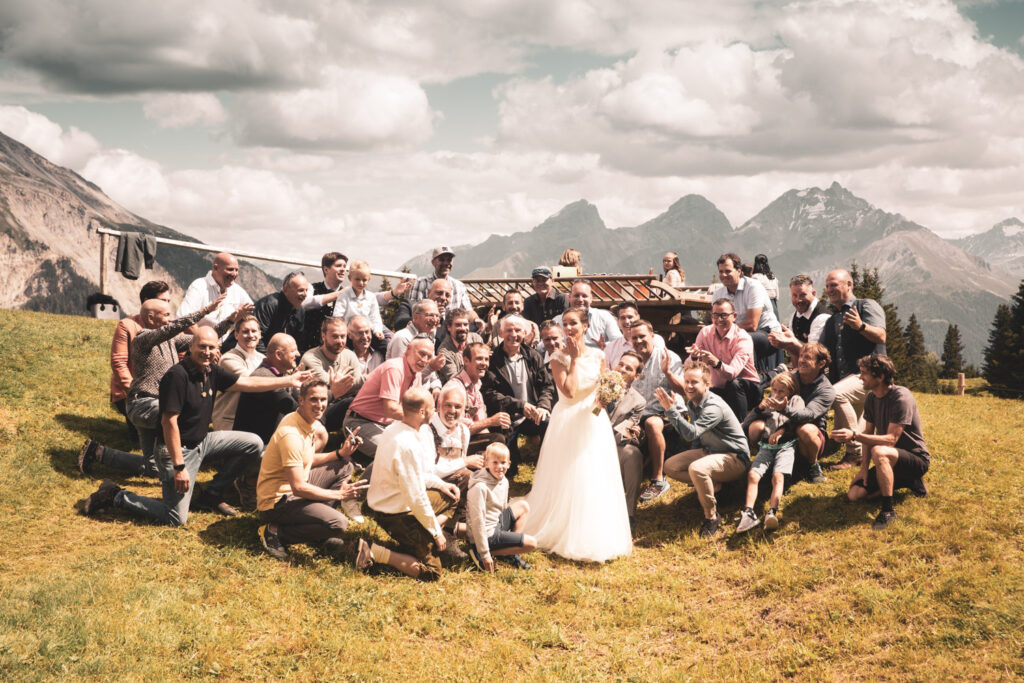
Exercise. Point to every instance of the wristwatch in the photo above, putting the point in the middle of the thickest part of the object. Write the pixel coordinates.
(179, 468)
(863, 326)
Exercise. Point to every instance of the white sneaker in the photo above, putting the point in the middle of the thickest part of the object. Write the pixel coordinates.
(748, 520)
(771, 521)
(353, 509)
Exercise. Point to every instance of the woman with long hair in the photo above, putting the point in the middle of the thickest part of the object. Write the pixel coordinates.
(763, 274)
(674, 275)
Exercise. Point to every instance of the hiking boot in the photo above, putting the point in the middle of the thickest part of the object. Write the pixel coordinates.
(653, 490)
(884, 519)
(514, 560)
(102, 499)
(272, 543)
(815, 475)
(918, 487)
(771, 520)
(748, 520)
(847, 462)
(474, 555)
(710, 527)
(209, 501)
(451, 547)
(246, 494)
(353, 509)
(361, 556)
(88, 456)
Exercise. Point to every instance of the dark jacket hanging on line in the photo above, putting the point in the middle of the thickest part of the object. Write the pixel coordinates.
(134, 249)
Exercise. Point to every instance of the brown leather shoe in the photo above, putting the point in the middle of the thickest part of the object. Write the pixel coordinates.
(846, 463)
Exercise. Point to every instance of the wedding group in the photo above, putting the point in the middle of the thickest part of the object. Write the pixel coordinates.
(316, 415)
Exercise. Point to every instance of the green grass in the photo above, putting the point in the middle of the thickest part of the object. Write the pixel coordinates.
(939, 596)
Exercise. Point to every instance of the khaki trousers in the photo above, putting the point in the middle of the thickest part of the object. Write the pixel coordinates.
(703, 471)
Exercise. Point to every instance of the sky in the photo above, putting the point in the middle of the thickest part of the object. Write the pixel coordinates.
(382, 129)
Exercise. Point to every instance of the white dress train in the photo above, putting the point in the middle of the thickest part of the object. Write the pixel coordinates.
(577, 504)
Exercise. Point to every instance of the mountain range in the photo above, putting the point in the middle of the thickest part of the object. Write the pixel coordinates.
(50, 250)
(803, 231)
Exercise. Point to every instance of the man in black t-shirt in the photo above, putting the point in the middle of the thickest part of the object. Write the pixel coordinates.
(187, 394)
(892, 438)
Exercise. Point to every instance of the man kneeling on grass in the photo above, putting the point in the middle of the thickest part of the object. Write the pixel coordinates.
(494, 525)
(299, 487)
(406, 497)
(186, 396)
(892, 439)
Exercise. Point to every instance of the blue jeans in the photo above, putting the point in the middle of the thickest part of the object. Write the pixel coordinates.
(144, 413)
(237, 450)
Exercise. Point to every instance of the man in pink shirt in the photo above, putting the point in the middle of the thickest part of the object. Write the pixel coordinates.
(120, 351)
(729, 351)
(379, 401)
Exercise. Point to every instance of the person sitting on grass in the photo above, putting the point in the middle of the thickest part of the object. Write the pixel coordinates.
(494, 525)
(406, 498)
(773, 430)
(718, 452)
(186, 396)
(299, 486)
(892, 439)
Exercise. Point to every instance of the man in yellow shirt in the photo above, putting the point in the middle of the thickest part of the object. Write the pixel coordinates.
(299, 487)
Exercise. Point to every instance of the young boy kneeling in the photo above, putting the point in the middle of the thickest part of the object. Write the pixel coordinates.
(493, 524)
(776, 453)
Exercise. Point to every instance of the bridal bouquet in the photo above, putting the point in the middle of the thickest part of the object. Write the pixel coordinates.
(610, 387)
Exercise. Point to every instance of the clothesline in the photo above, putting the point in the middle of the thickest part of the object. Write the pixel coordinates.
(198, 246)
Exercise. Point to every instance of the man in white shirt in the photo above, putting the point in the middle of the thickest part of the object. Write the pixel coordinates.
(808, 321)
(754, 312)
(205, 290)
(602, 326)
(407, 498)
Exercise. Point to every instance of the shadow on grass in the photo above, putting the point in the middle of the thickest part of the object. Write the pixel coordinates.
(106, 430)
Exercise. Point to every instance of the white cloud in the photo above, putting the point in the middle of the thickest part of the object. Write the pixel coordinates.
(136, 182)
(69, 148)
(348, 109)
(176, 110)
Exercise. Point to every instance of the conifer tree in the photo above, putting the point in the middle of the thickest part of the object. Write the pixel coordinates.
(998, 362)
(920, 375)
(952, 353)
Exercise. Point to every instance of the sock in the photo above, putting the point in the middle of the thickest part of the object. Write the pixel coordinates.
(749, 509)
(887, 504)
(380, 554)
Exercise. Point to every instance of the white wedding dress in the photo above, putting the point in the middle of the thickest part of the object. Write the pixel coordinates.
(577, 504)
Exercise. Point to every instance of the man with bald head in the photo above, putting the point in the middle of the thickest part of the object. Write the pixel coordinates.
(186, 395)
(260, 413)
(283, 311)
(154, 351)
(220, 280)
(378, 402)
(602, 327)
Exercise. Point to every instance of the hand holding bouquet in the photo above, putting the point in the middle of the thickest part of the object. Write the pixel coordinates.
(610, 387)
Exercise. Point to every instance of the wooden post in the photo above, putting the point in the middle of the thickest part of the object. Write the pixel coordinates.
(103, 263)
(960, 384)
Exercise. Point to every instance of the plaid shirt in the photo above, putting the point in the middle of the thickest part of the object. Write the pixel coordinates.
(460, 297)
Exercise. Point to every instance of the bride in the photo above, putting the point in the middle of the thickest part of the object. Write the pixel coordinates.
(577, 504)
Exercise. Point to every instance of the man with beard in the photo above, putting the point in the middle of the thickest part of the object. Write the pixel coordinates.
(455, 342)
(336, 365)
(808, 321)
(892, 438)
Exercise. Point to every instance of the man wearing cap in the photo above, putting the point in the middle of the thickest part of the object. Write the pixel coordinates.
(548, 302)
(442, 262)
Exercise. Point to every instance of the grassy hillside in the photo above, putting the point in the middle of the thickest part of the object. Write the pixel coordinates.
(938, 596)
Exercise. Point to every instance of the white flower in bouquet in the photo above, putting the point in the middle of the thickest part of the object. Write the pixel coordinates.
(610, 387)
